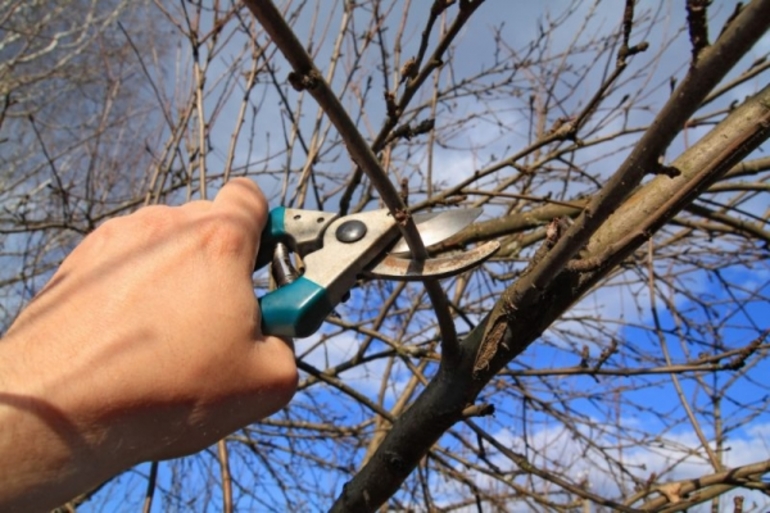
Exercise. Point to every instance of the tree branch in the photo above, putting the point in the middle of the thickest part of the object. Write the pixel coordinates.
(515, 322)
(713, 64)
(307, 76)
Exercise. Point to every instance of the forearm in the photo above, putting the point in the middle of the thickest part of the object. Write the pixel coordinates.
(45, 457)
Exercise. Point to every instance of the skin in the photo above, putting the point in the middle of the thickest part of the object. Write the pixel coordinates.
(145, 345)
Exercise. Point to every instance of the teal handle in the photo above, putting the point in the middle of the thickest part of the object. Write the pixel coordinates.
(295, 310)
(274, 232)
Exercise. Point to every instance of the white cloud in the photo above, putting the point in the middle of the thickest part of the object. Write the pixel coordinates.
(484, 142)
(623, 300)
(365, 378)
(675, 457)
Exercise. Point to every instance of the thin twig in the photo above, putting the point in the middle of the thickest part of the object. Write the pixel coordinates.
(150, 491)
(715, 463)
(227, 482)
(64, 194)
(526, 466)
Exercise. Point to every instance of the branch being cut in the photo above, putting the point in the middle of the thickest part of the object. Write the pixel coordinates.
(307, 76)
(397, 108)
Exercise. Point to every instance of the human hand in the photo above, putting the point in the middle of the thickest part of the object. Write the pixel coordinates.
(144, 345)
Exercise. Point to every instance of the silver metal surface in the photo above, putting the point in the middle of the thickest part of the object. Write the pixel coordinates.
(337, 266)
(306, 227)
(435, 227)
(282, 269)
(351, 231)
(394, 268)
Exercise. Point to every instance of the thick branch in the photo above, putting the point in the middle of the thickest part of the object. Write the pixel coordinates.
(713, 64)
(515, 322)
(732, 477)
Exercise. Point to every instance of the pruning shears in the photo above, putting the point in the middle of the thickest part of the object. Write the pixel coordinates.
(337, 251)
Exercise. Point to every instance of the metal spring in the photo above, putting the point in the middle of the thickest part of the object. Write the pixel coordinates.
(281, 267)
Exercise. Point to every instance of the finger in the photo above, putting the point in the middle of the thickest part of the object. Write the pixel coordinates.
(242, 200)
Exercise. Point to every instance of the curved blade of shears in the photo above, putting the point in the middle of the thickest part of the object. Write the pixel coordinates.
(404, 269)
(435, 227)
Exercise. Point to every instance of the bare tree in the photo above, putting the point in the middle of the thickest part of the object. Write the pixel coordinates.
(612, 355)
(74, 116)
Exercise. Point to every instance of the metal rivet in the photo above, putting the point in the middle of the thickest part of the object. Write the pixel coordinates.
(351, 231)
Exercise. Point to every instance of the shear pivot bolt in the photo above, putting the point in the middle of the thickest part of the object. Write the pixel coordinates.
(351, 231)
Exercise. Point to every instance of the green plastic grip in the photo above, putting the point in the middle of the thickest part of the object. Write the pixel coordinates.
(295, 310)
(274, 232)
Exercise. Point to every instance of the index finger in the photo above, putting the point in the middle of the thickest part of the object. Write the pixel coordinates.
(243, 201)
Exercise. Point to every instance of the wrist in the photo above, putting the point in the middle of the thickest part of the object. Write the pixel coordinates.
(44, 435)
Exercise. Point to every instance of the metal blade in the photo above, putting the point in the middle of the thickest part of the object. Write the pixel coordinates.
(435, 227)
(404, 269)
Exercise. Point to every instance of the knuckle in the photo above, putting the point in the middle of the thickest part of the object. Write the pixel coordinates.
(154, 220)
(147, 225)
(108, 229)
(223, 236)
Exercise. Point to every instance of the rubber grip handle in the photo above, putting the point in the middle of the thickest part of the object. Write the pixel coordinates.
(274, 232)
(295, 310)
